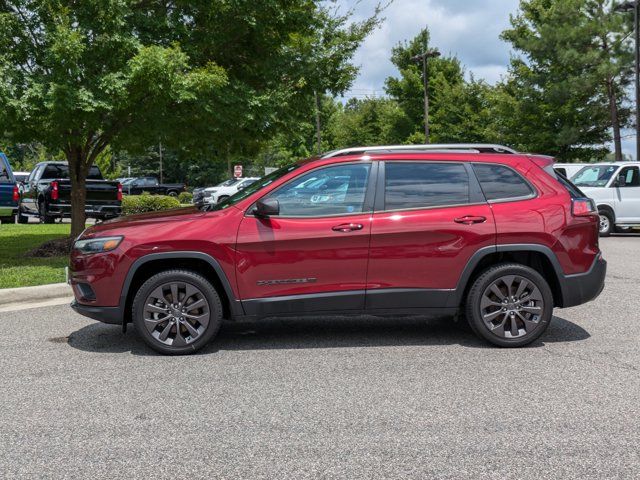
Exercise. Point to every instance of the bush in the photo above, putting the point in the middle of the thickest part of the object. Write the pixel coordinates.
(147, 203)
(185, 197)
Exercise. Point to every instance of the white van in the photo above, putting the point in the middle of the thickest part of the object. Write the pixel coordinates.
(568, 170)
(615, 187)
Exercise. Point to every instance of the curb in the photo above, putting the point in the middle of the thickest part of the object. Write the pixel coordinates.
(39, 293)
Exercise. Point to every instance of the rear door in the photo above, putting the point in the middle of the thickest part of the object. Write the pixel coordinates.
(430, 218)
(627, 197)
(313, 255)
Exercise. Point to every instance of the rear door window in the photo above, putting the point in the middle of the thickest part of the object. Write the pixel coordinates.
(499, 182)
(412, 185)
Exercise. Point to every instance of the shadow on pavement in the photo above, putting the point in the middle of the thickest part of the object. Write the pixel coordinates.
(332, 332)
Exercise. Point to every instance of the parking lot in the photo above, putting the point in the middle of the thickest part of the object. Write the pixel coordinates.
(329, 398)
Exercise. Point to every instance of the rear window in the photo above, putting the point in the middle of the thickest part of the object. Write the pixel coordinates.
(53, 171)
(416, 185)
(501, 183)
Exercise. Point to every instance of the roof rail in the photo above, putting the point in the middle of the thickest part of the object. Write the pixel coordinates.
(442, 147)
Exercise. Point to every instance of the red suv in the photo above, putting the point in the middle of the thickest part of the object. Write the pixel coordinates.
(473, 229)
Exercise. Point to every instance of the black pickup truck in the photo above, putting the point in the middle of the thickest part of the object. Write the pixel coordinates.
(47, 194)
(138, 186)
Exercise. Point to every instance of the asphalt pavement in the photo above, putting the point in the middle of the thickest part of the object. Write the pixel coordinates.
(329, 398)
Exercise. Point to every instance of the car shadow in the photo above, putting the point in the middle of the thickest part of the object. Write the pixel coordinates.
(316, 332)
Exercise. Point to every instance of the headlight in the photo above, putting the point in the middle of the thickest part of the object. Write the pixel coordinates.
(97, 245)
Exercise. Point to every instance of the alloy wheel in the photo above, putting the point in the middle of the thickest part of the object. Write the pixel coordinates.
(512, 306)
(176, 313)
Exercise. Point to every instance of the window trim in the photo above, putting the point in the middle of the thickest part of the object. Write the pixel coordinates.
(619, 172)
(534, 191)
(369, 194)
(476, 197)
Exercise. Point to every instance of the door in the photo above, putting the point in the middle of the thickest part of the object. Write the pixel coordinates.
(313, 255)
(430, 218)
(627, 196)
(28, 202)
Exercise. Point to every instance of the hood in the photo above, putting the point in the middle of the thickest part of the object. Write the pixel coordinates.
(167, 216)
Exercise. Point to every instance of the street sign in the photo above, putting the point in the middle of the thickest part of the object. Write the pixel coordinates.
(237, 171)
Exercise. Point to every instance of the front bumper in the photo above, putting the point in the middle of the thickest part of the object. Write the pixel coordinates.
(111, 315)
(584, 287)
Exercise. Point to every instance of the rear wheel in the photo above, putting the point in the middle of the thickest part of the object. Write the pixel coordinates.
(177, 312)
(510, 305)
(606, 223)
(44, 218)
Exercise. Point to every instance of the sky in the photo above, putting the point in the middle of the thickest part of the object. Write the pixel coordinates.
(468, 29)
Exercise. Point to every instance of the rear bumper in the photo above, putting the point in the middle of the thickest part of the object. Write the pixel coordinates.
(111, 315)
(90, 210)
(584, 287)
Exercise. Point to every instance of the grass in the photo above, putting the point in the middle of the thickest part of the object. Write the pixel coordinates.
(16, 270)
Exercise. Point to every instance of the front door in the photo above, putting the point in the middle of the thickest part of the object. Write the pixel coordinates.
(314, 254)
(627, 196)
(428, 223)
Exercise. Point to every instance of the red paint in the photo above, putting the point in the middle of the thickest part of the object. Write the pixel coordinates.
(427, 248)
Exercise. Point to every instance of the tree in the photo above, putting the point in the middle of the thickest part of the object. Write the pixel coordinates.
(80, 76)
(567, 89)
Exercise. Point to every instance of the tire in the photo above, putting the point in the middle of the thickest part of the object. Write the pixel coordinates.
(172, 193)
(606, 225)
(8, 220)
(44, 218)
(222, 198)
(531, 317)
(157, 292)
(22, 219)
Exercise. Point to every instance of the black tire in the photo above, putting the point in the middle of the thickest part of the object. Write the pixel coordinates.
(44, 218)
(8, 220)
(22, 219)
(151, 329)
(222, 198)
(607, 225)
(172, 193)
(514, 316)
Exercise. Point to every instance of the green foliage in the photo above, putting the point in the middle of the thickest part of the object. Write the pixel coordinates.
(185, 197)
(132, 204)
(574, 66)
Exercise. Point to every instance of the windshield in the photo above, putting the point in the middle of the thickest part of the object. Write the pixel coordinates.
(228, 183)
(254, 187)
(594, 176)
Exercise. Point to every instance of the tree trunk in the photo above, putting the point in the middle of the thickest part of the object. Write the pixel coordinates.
(78, 171)
(615, 121)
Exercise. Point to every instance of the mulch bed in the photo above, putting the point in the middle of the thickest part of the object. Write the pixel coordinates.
(59, 247)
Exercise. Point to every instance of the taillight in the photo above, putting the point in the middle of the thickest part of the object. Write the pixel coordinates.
(16, 194)
(583, 207)
(119, 192)
(55, 194)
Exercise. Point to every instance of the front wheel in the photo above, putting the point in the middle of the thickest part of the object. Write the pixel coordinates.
(222, 198)
(177, 312)
(510, 305)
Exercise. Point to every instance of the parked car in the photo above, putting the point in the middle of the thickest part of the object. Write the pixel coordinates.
(9, 191)
(199, 193)
(221, 192)
(47, 194)
(151, 185)
(569, 169)
(499, 237)
(615, 187)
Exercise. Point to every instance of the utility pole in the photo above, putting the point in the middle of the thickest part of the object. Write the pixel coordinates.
(318, 126)
(160, 151)
(626, 7)
(424, 58)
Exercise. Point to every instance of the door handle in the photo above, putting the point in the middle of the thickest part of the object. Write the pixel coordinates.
(347, 227)
(470, 220)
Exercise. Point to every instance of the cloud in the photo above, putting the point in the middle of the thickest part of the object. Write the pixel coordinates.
(468, 29)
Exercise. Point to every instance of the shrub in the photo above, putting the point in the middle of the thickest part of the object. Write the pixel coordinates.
(147, 203)
(185, 197)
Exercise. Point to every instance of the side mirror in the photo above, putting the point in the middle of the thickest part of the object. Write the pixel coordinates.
(266, 207)
(622, 180)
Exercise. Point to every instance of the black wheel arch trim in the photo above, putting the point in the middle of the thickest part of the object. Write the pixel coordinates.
(571, 289)
(235, 306)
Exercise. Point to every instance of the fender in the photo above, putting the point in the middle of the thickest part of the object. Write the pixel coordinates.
(457, 296)
(234, 304)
